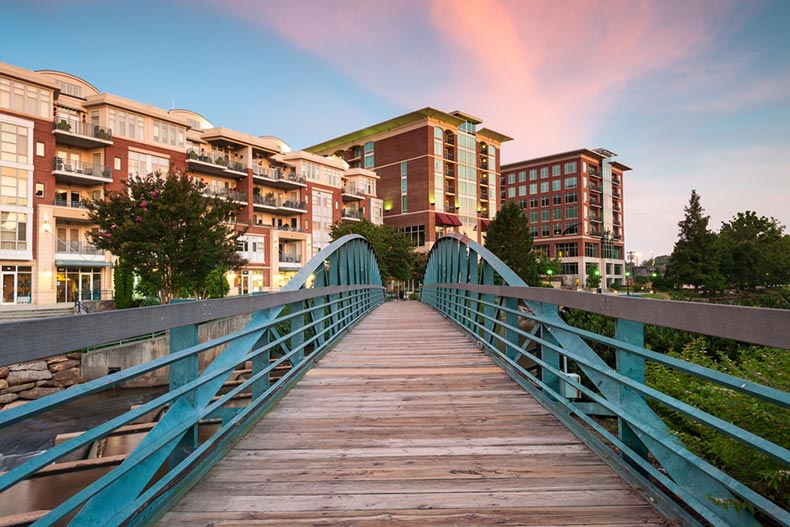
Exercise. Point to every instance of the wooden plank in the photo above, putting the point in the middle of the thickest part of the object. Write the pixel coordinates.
(407, 423)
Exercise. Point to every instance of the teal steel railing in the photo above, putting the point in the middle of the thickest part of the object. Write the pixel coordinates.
(522, 330)
(296, 326)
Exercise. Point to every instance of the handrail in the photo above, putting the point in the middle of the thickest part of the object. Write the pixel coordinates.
(296, 326)
(460, 281)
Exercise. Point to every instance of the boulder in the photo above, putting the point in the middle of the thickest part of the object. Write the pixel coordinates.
(36, 365)
(38, 393)
(20, 387)
(7, 398)
(3, 384)
(4, 372)
(25, 376)
(68, 375)
(65, 365)
(56, 359)
(75, 356)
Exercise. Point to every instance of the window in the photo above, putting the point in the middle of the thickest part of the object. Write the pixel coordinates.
(13, 231)
(557, 229)
(544, 201)
(416, 233)
(545, 231)
(544, 172)
(533, 203)
(522, 176)
(555, 170)
(570, 167)
(168, 134)
(533, 231)
(557, 199)
(571, 212)
(39, 149)
(556, 184)
(522, 190)
(522, 203)
(567, 249)
(569, 268)
(544, 215)
(571, 197)
(572, 228)
(438, 132)
(533, 174)
(125, 124)
(533, 188)
(556, 213)
(13, 186)
(544, 186)
(24, 98)
(511, 192)
(69, 88)
(511, 178)
(13, 143)
(143, 164)
(543, 249)
(369, 159)
(533, 216)
(591, 250)
(570, 182)
(404, 186)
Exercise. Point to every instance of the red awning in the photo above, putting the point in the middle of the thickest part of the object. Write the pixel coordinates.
(484, 225)
(447, 219)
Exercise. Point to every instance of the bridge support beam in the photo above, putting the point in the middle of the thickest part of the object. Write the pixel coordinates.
(633, 367)
(183, 372)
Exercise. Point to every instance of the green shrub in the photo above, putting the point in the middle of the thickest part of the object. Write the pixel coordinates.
(767, 366)
(123, 280)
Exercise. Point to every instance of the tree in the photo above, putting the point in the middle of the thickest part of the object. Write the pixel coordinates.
(508, 237)
(394, 250)
(594, 277)
(123, 280)
(695, 257)
(754, 251)
(167, 231)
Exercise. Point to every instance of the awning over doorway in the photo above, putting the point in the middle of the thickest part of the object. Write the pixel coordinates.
(447, 219)
(81, 263)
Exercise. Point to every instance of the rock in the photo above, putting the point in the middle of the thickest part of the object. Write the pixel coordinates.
(3, 372)
(65, 365)
(21, 387)
(26, 376)
(67, 375)
(48, 383)
(74, 356)
(14, 404)
(36, 365)
(3, 384)
(38, 393)
(7, 398)
(56, 359)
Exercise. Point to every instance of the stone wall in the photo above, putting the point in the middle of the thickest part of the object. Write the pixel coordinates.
(36, 379)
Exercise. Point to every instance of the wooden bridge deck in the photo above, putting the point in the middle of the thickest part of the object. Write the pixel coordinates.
(407, 423)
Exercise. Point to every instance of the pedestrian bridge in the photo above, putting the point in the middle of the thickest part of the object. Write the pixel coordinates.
(479, 405)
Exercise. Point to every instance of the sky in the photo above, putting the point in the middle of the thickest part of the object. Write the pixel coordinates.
(692, 94)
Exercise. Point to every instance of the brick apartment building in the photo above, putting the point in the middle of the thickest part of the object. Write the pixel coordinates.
(438, 171)
(574, 204)
(62, 142)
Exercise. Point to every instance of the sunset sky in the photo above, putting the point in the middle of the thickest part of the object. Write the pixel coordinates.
(692, 94)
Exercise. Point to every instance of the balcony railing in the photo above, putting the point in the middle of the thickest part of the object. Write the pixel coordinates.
(449, 189)
(81, 168)
(76, 127)
(63, 202)
(615, 180)
(77, 247)
(221, 161)
(278, 174)
(226, 193)
(290, 258)
(595, 188)
(594, 172)
(616, 194)
(450, 156)
(270, 201)
(353, 214)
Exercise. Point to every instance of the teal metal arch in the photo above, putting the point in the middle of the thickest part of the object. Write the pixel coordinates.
(333, 291)
(472, 286)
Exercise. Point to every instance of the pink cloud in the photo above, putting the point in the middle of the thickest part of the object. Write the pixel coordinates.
(544, 72)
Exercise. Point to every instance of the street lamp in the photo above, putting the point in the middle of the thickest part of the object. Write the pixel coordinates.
(628, 283)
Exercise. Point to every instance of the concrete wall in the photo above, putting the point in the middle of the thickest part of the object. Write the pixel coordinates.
(98, 363)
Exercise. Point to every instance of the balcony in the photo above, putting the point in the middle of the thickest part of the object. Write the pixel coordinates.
(227, 193)
(595, 219)
(214, 163)
(615, 181)
(449, 173)
(595, 203)
(290, 260)
(449, 155)
(82, 135)
(353, 214)
(352, 193)
(449, 189)
(278, 177)
(79, 172)
(595, 188)
(484, 195)
(71, 203)
(278, 206)
(594, 172)
(449, 139)
(616, 194)
(65, 247)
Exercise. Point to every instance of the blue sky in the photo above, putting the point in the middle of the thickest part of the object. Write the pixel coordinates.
(689, 94)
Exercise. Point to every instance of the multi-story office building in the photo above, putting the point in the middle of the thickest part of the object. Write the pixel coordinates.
(574, 204)
(63, 142)
(438, 171)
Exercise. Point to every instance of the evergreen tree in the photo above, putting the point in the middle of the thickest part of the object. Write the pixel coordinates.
(594, 277)
(508, 237)
(123, 281)
(394, 250)
(695, 257)
(167, 231)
